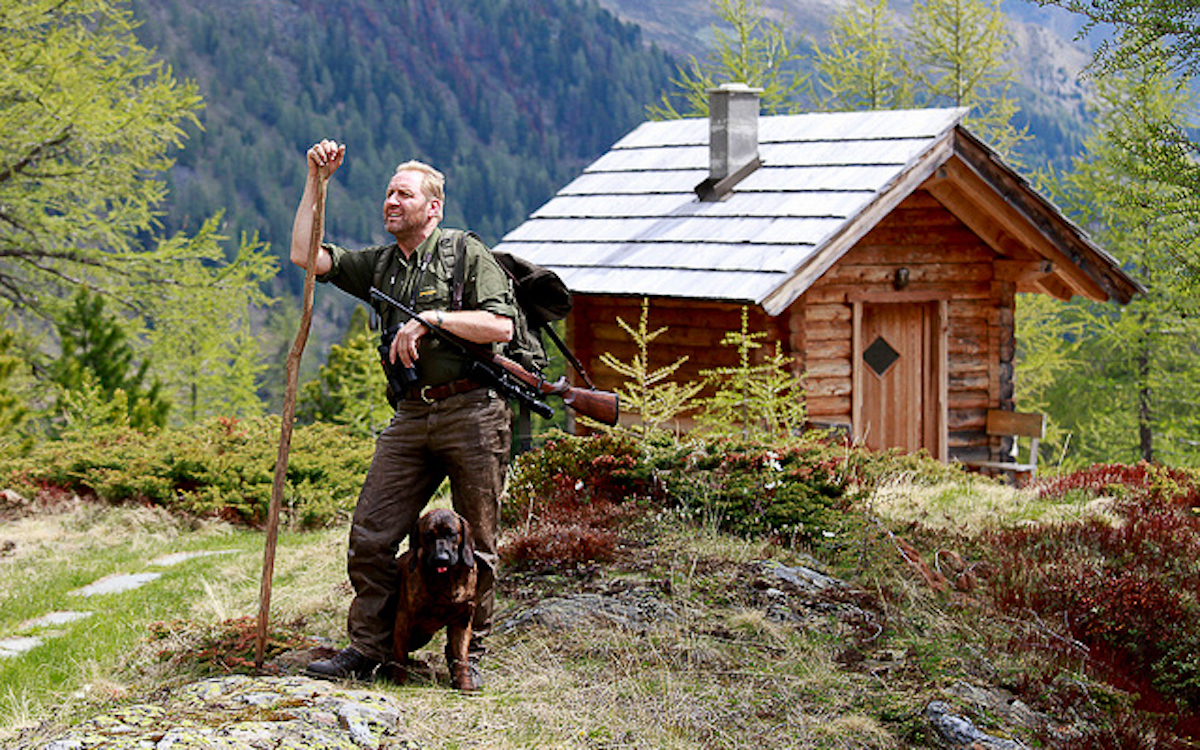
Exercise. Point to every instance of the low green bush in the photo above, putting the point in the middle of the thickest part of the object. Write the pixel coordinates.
(221, 467)
(793, 490)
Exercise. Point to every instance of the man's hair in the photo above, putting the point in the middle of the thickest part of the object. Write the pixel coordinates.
(433, 182)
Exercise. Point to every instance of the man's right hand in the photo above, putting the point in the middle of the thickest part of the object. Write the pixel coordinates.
(324, 158)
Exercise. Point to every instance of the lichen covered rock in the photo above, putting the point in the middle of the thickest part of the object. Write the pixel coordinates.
(239, 712)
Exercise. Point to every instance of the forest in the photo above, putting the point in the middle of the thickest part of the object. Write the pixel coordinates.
(164, 279)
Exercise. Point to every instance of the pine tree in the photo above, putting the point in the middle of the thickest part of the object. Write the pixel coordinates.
(98, 359)
(349, 389)
(760, 400)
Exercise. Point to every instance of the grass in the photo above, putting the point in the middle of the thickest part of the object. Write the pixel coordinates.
(53, 555)
(848, 670)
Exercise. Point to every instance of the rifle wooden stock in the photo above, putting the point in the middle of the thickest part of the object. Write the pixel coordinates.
(601, 406)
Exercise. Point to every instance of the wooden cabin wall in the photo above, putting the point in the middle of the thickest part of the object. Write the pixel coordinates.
(694, 331)
(945, 260)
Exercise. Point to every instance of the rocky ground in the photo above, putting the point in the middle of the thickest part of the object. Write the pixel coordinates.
(281, 709)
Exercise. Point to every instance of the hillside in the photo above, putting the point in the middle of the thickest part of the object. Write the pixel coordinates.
(937, 610)
(509, 97)
(1047, 57)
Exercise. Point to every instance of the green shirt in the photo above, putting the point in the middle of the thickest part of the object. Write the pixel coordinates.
(424, 281)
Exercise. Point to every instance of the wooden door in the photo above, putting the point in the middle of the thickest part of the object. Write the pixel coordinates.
(899, 375)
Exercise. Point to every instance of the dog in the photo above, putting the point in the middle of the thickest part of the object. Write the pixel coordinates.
(436, 590)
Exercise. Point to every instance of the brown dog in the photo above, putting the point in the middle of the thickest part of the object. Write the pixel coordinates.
(437, 590)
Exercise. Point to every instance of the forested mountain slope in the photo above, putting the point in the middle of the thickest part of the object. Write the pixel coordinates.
(509, 97)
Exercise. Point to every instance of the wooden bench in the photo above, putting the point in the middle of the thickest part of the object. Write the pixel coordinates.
(1001, 423)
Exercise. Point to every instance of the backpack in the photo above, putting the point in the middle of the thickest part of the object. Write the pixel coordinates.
(542, 298)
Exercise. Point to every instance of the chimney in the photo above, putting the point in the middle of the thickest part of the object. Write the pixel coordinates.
(733, 139)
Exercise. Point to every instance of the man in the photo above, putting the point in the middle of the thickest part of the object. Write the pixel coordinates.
(444, 425)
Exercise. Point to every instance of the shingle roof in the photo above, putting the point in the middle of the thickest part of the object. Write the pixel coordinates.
(631, 223)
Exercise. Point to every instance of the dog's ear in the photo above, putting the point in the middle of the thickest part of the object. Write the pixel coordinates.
(466, 543)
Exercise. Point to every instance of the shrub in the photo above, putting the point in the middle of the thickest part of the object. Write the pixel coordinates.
(569, 499)
(221, 467)
(1121, 589)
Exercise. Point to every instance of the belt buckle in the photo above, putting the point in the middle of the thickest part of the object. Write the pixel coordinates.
(424, 396)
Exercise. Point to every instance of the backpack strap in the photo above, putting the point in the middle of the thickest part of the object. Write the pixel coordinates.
(377, 280)
(459, 275)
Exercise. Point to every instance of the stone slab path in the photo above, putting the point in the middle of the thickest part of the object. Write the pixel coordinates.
(33, 633)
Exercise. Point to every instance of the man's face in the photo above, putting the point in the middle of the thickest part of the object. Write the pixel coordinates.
(406, 209)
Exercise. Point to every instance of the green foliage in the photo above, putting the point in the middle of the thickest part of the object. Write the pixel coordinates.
(510, 98)
(963, 54)
(569, 498)
(220, 467)
(349, 390)
(753, 51)
(1155, 39)
(1165, 32)
(13, 412)
(88, 119)
(1140, 356)
(200, 339)
(791, 491)
(864, 66)
(650, 394)
(761, 400)
(97, 363)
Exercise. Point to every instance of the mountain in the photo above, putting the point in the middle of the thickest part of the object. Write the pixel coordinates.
(1047, 56)
(510, 98)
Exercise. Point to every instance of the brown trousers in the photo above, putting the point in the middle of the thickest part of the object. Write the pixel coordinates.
(465, 437)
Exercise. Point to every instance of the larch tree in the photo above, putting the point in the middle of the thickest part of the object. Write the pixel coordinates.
(749, 49)
(1127, 379)
(1136, 36)
(864, 66)
(89, 121)
(962, 54)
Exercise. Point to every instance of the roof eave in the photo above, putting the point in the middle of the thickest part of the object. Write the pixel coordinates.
(831, 250)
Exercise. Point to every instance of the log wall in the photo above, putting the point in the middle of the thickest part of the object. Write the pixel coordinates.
(945, 260)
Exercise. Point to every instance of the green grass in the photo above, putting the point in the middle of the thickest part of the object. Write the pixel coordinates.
(57, 554)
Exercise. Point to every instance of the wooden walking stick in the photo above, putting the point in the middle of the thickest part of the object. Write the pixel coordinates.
(289, 413)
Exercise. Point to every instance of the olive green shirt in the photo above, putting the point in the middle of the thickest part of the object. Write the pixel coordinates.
(424, 281)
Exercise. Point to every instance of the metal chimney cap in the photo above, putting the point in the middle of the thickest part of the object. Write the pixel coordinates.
(736, 87)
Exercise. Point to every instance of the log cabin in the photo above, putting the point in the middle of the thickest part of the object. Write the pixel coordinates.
(883, 250)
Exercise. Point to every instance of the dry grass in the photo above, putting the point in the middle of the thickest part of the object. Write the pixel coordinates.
(974, 505)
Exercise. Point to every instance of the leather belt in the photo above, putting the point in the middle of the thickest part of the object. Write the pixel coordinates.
(431, 393)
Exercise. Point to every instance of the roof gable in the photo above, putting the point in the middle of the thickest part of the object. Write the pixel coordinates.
(632, 224)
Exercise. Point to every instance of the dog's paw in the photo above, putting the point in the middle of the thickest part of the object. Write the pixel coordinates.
(465, 676)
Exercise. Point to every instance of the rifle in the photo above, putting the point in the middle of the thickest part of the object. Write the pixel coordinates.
(513, 381)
